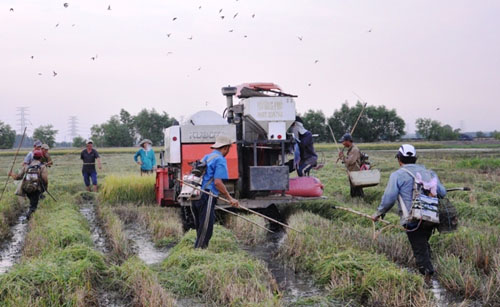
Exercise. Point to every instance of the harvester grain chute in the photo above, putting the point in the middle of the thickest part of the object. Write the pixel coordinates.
(258, 123)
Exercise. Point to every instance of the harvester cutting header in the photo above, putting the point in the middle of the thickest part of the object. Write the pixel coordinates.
(257, 161)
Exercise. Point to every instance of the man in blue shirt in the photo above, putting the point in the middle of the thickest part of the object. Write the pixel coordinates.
(204, 208)
(147, 155)
(400, 188)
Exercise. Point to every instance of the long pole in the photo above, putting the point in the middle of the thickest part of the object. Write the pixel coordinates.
(360, 214)
(240, 206)
(14, 162)
(357, 120)
(240, 216)
(333, 136)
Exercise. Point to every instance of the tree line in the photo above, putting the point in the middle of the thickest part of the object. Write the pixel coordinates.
(124, 129)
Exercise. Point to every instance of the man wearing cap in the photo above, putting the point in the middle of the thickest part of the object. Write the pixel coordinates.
(46, 159)
(147, 155)
(89, 156)
(305, 157)
(400, 188)
(37, 145)
(36, 184)
(352, 161)
(204, 208)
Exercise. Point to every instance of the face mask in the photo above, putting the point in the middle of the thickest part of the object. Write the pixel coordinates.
(148, 147)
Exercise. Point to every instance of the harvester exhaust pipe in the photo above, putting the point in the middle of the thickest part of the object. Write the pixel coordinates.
(229, 92)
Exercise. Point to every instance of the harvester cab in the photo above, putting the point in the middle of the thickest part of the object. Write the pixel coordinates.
(258, 124)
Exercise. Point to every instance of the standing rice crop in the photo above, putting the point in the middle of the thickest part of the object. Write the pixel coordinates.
(246, 232)
(128, 189)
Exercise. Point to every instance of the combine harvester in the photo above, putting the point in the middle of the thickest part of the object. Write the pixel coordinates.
(258, 175)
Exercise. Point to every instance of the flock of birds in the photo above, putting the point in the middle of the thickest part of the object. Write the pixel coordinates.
(221, 16)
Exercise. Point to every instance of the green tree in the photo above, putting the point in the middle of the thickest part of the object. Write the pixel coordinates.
(480, 134)
(112, 133)
(433, 130)
(78, 141)
(150, 125)
(7, 136)
(314, 121)
(46, 134)
(376, 123)
(496, 135)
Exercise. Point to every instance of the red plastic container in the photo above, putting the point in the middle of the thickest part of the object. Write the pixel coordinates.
(305, 187)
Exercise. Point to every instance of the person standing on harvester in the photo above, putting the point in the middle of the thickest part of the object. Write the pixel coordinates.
(352, 161)
(147, 156)
(401, 187)
(35, 180)
(89, 156)
(204, 208)
(305, 157)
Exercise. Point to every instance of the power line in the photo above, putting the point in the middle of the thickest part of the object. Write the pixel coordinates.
(23, 113)
(73, 126)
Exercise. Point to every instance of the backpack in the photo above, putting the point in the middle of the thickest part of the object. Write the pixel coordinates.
(199, 168)
(32, 179)
(425, 206)
(364, 162)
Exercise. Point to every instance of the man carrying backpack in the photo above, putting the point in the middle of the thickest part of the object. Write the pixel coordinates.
(352, 161)
(35, 180)
(204, 208)
(401, 187)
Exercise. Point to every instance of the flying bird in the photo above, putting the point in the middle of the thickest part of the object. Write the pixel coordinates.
(369, 31)
(109, 7)
(235, 15)
(220, 11)
(199, 7)
(169, 53)
(222, 17)
(190, 38)
(231, 30)
(11, 9)
(168, 34)
(316, 61)
(174, 19)
(199, 68)
(300, 38)
(57, 25)
(32, 57)
(437, 109)
(66, 4)
(73, 25)
(309, 84)
(93, 58)
(39, 73)
(245, 36)
(54, 73)
(253, 15)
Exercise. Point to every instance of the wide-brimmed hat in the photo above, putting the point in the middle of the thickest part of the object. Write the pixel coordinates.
(346, 137)
(145, 141)
(221, 141)
(89, 142)
(45, 146)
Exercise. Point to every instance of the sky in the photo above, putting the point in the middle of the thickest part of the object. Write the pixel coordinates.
(433, 59)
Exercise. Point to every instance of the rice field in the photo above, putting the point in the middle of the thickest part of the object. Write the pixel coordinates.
(61, 264)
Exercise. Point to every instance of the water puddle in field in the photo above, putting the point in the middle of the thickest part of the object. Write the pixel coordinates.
(10, 250)
(98, 234)
(105, 297)
(294, 286)
(143, 245)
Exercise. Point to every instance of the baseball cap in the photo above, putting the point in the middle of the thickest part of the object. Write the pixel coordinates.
(346, 137)
(221, 141)
(37, 143)
(45, 146)
(407, 150)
